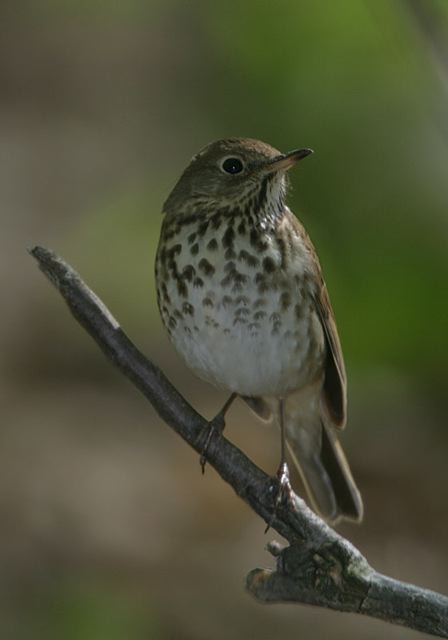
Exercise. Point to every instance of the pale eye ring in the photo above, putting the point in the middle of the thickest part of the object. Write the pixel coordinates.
(232, 165)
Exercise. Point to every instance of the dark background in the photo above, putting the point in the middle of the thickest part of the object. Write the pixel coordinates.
(107, 529)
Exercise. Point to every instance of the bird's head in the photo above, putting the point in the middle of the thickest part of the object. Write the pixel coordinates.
(231, 172)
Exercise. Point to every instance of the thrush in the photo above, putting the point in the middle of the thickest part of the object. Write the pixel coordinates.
(242, 296)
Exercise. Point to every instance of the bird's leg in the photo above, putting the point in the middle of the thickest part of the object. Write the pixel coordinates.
(283, 470)
(283, 488)
(216, 425)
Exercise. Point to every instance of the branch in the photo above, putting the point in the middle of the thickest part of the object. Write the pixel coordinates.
(318, 567)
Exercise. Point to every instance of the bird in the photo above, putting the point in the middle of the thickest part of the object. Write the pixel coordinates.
(242, 296)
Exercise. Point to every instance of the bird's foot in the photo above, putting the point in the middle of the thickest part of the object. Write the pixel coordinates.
(214, 427)
(281, 490)
(284, 489)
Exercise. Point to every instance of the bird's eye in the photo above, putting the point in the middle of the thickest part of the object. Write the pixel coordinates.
(232, 165)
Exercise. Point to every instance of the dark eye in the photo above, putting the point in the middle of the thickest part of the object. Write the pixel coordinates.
(232, 165)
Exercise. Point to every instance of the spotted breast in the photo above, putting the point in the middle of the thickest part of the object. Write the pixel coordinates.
(236, 302)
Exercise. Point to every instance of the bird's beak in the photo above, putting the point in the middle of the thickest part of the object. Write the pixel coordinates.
(287, 160)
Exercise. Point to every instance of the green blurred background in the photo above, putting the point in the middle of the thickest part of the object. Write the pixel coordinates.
(107, 529)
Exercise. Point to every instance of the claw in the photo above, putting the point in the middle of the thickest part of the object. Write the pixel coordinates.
(215, 426)
(283, 491)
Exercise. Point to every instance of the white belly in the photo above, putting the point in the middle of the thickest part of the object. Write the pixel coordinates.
(250, 362)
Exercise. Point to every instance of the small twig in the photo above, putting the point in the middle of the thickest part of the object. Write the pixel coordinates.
(318, 567)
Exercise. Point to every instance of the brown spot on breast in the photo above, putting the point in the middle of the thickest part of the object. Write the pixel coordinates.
(207, 302)
(191, 238)
(211, 322)
(241, 312)
(188, 309)
(239, 280)
(189, 272)
(194, 249)
(172, 266)
(212, 245)
(254, 237)
(216, 220)
(285, 300)
(257, 241)
(175, 250)
(248, 258)
(269, 265)
(203, 228)
(259, 315)
(181, 288)
(198, 282)
(262, 285)
(275, 318)
(228, 237)
(282, 248)
(168, 235)
(236, 278)
(205, 266)
(225, 282)
(165, 294)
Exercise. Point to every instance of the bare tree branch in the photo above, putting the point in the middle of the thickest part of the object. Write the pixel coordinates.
(319, 567)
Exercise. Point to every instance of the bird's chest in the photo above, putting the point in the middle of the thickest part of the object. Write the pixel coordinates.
(238, 312)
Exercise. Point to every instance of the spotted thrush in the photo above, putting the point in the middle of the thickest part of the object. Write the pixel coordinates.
(242, 296)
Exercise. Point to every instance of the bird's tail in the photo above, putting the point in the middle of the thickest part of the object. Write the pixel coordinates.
(325, 472)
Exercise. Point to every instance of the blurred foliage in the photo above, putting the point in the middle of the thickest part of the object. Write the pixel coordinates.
(89, 611)
(103, 103)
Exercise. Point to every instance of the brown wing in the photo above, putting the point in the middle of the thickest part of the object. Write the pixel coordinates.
(335, 384)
